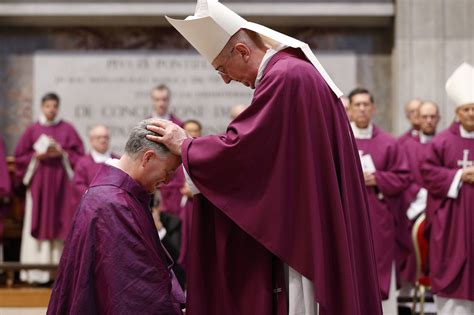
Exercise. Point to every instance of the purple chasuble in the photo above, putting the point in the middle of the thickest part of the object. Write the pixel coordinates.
(415, 152)
(84, 172)
(282, 185)
(392, 177)
(50, 181)
(113, 261)
(5, 186)
(450, 221)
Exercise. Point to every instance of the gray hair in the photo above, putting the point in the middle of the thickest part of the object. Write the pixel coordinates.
(138, 143)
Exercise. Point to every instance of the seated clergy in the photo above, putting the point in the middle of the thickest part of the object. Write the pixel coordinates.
(113, 261)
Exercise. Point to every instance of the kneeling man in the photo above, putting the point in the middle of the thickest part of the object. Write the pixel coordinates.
(113, 261)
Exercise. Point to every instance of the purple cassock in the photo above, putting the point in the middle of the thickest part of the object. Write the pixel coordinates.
(392, 176)
(283, 185)
(415, 151)
(113, 261)
(84, 172)
(450, 221)
(412, 134)
(5, 186)
(50, 180)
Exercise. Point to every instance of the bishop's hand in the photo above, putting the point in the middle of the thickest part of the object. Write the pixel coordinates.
(169, 134)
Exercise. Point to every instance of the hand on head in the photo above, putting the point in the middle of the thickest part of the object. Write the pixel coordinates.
(169, 134)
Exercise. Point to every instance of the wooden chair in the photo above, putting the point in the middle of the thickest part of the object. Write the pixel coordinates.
(423, 282)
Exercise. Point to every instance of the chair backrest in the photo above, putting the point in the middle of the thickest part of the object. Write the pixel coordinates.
(420, 244)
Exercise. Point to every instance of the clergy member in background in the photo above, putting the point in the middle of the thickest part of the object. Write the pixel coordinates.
(236, 110)
(113, 261)
(161, 98)
(448, 174)
(386, 176)
(88, 165)
(412, 115)
(266, 196)
(416, 196)
(45, 157)
(5, 191)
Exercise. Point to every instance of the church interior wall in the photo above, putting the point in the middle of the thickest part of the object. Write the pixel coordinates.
(371, 45)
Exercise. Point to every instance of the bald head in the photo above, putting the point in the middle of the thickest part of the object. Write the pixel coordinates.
(411, 112)
(429, 117)
(236, 110)
(99, 138)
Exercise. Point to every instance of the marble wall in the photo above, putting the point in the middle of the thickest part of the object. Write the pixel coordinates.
(372, 46)
(432, 38)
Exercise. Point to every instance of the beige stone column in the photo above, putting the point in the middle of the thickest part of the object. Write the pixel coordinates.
(432, 38)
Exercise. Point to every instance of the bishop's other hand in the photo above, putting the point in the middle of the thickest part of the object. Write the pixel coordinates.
(169, 134)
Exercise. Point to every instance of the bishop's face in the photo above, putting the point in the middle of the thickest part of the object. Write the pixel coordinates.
(465, 115)
(237, 65)
(361, 109)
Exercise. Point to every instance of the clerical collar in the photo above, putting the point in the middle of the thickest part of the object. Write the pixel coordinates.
(45, 122)
(465, 134)
(164, 117)
(425, 138)
(100, 157)
(362, 133)
(266, 58)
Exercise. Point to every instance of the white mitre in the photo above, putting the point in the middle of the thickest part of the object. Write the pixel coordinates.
(213, 24)
(460, 85)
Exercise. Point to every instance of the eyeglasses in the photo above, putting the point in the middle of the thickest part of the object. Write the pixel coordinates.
(220, 70)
